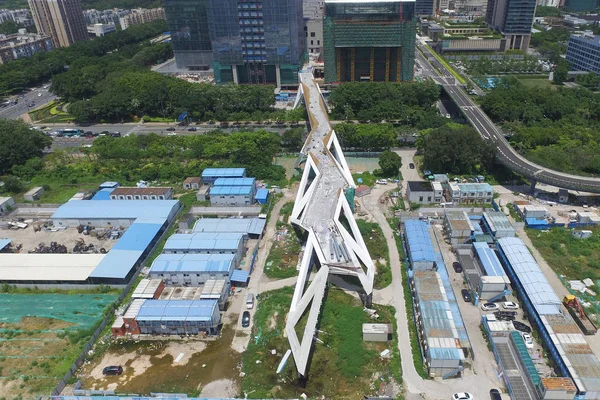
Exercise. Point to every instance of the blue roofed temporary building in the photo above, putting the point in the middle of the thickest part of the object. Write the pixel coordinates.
(567, 346)
(262, 195)
(536, 223)
(109, 185)
(492, 282)
(178, 317)
(113, 213)
(103, 194)
(192, 269)
(145, 220)
(232, 195)
(240, 277)
(419, 245)
(444, 338)
(210, 175)
(252, 227)
(235, 182)
(488, 259)
(209, 243)
(4, 243)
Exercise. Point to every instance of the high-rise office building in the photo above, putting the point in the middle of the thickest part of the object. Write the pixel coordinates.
(189, 33)
(257, 41)
(583, 52)
(369, 40)
(512, 18)
(62, 20)
(424, 8)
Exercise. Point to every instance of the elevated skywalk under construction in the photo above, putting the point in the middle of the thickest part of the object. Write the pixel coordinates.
(323, 211)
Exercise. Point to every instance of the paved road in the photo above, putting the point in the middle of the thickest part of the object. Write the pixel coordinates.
(14, 112)
(135, 129)
(505, 154)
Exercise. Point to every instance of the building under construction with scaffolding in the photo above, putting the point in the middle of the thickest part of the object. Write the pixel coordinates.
(369, 40)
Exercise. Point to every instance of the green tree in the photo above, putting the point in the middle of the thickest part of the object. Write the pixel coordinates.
(390, 163)
(292, 139)
(456, 149)
(561, 72)
(19, 143)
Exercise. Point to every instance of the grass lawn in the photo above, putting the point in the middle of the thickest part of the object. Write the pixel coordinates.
(366, 177)
(50, 113)
(377, 246)
(573, 258)
(542, 83)
(342, 366)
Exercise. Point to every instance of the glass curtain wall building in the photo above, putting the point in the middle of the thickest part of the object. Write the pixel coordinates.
(369, 41)
(189, 33)
(512, 18)
(257, 41)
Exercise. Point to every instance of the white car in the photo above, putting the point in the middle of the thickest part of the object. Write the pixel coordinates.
(510, 305)
(528, 340)
(462, 396)
(39, 95)
(381, 182)
(489, 306)
(172, 134)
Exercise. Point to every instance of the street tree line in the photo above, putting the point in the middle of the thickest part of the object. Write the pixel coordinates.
(559, 129)
(21, 74)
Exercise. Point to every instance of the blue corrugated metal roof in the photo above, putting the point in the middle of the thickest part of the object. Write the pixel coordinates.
(252, 226)
(235, 181)
(224, 173)
(262, 194)
(116, 264)
(138, 236)
(204, 241)
(193, 263)
(4, 243)
(231, 190)
(177, 310)
(419, 241)
(535, 284)
(489, 260)
(240, 276)
(103, 194)
(116, 209)
(445, 353)
(537, 222)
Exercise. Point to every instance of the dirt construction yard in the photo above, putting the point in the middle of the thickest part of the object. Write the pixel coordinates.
(206, 368)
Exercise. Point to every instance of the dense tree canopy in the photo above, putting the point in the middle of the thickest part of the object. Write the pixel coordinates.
(18, 144)
(559, 129)
(546, 11)
(11, 27)
(390, 163)
(366, 137)
(456, 149)
(24, 73)
(378, 101)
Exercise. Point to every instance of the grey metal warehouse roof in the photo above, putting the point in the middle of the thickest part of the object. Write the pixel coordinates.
(204, 241)
(542, 296)
(193, 263)
(251, 226)
(177, 310)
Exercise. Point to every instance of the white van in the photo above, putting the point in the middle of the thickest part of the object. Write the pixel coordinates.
(250, 301)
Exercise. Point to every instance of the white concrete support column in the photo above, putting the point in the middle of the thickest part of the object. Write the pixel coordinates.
(278, 76)
(235, 76)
